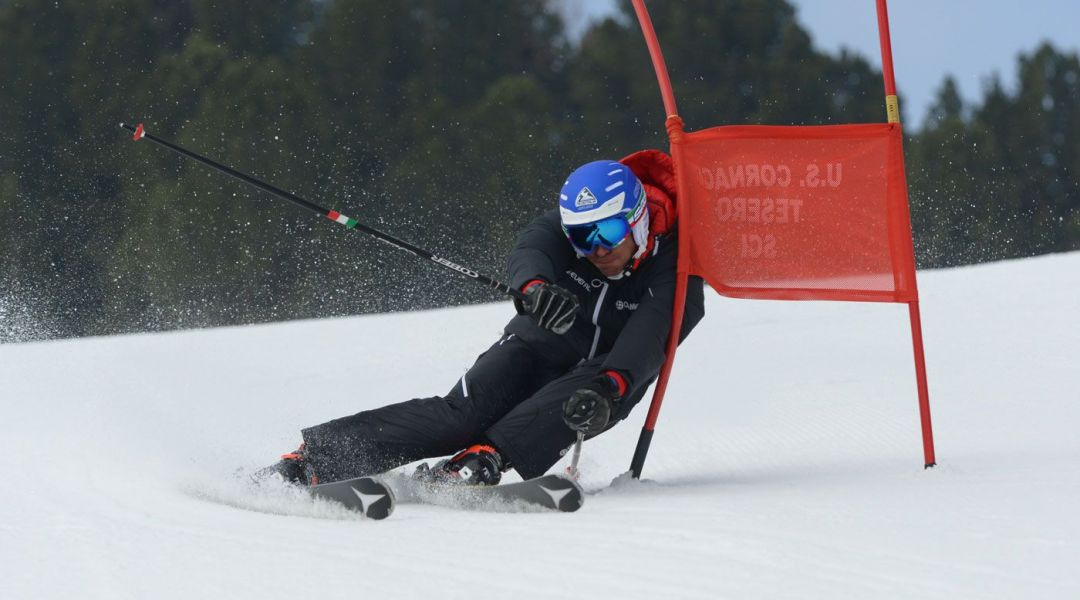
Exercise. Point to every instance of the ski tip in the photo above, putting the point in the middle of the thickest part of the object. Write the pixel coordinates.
(566, 495)
(382, 507)
(372, 498)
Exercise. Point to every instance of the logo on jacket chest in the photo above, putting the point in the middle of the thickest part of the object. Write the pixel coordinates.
(579, 279)
(588, 285)
(624, 305)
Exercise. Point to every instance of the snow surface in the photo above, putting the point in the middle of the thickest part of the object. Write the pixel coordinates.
(787, 462)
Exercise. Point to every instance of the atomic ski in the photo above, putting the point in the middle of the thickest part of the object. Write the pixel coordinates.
(553, 492)
(376, 496)
(370, 496)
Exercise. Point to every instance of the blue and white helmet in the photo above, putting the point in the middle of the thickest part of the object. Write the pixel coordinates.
(602, 189)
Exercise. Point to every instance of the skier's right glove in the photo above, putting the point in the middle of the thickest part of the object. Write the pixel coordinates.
(551, 306)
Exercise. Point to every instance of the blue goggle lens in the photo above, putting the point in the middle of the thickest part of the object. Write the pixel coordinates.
(608, 233)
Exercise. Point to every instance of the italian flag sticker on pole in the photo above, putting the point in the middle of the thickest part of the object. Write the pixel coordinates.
(340, 218)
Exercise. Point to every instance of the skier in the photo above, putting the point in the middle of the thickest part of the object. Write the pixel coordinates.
(598, 276)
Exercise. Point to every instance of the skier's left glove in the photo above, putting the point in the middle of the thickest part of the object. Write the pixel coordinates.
(589, 409)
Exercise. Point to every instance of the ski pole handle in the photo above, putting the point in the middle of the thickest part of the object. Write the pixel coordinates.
(349, 223)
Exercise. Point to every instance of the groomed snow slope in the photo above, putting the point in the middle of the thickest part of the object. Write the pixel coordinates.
(787, 461)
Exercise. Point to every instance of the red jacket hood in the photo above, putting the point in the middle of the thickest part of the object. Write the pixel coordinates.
(656, 171)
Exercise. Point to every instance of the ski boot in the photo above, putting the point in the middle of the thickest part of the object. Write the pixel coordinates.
(293, 468)
(478, 464)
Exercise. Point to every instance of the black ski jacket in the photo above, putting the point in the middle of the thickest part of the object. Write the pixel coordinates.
(628, 319)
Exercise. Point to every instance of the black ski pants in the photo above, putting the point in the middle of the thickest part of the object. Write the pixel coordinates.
(512, 398)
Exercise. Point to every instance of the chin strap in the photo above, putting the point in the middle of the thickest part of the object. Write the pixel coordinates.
(639, 256)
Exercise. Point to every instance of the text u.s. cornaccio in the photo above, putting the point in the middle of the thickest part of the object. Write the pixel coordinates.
(764, 208)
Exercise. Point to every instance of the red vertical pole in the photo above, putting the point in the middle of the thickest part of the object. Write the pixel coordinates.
(924, 390)
(675, 128)
(892, 111)
(657, 58)
(892, 107)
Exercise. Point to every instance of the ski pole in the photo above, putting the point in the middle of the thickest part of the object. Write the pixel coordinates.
(572, 470)
(349, 223)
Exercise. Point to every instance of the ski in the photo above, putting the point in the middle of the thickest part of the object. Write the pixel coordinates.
(370, 496)
(375, 497)
(551, 492)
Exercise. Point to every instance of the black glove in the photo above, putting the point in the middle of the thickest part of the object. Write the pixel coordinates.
(551, 306)
(589, 408)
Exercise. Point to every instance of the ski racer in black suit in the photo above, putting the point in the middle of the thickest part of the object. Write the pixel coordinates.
(599, 276)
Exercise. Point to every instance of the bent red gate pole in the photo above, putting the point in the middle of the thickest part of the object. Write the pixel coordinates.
(892, 112)
(674, 128)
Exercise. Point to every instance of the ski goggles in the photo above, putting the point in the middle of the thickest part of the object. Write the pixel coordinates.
(608, 233)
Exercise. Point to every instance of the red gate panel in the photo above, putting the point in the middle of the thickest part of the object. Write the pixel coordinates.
(798, 212)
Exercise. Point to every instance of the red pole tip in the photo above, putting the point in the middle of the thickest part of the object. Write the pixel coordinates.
(138, 133)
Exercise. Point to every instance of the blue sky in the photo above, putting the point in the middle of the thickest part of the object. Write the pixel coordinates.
(931, 38)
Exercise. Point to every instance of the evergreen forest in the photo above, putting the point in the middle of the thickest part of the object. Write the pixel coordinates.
(447, 123)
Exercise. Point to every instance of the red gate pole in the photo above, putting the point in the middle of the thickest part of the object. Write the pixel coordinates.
(657, 58)
(892, 111)
(924, 390)
(675, 129)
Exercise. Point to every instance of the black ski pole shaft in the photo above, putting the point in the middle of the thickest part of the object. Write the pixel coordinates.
(349, 223)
